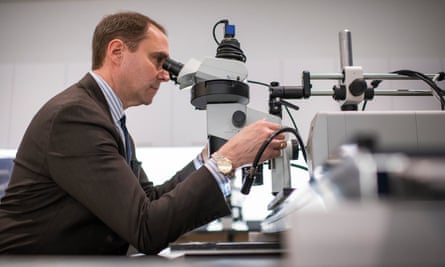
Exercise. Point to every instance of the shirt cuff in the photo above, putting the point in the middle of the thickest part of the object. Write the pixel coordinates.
(222, 181)
(198, 161)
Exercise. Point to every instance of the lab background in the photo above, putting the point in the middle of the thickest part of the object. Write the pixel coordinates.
(46, 46)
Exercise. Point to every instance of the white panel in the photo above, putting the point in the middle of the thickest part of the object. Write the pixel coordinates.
(293, 71)
(280, 40)
(188, 125)
(152, 156)
(308, 109)
(415, 103)
(264, 71)
(75, 72)
(34, 85)
(380, 102)
(6, 85)
(151, 125)
(430, 129)
(367, 233)
(410, 130)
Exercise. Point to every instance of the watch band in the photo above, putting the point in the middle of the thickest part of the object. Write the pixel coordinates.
(224, 165)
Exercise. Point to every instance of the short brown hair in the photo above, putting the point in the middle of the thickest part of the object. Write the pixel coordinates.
(130, 27)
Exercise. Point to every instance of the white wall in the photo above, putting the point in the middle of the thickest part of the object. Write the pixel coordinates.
(45, 46)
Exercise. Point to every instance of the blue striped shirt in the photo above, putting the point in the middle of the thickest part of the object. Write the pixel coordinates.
(210, 164)
(117, 111)
(114, 103)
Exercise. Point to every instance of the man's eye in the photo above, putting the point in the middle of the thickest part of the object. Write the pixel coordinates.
(158, 61)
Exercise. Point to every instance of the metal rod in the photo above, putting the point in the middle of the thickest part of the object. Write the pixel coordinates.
(366, 76)
(345, 48)
(401, 92)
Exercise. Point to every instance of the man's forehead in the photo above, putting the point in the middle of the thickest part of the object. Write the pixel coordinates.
(158, 41)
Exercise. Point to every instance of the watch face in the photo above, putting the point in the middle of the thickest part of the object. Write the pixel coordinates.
(225, 167)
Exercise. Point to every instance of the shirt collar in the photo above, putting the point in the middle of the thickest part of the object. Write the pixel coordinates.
(114, 103)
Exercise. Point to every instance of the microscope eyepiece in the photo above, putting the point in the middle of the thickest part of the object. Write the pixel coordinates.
(173, 67)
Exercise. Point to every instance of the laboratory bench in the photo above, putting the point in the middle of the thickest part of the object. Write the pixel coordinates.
(196, 248)
(93, 261)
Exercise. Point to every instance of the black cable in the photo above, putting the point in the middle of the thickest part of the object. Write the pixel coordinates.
(225, 21)
(291, 118)
(300, 140)
(248, 181)
(288, 113)
(228, 48)
(436, 89)
(374, 84)
(285, 106)
(441, 76)
(302, 147)
(299, 166)
(259, 83)
(364, 104)
(294, 165)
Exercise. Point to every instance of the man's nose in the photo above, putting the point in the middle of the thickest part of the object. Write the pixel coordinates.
(164, 75)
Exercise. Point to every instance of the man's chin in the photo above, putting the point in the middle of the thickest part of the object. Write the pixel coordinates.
(148, 102)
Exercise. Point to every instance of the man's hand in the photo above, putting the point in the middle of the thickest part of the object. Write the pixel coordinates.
(242, 148)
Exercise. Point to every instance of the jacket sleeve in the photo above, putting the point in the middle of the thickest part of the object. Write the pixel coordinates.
(153, 192)
(85, 160)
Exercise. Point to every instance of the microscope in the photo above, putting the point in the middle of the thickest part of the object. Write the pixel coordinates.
(219, 86)
(352, 89)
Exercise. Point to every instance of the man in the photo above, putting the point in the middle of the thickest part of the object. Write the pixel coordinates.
(77, 187)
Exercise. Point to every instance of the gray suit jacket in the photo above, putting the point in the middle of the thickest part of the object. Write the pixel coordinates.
(72, 192)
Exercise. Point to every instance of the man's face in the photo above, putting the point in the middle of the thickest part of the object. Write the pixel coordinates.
(141, 71)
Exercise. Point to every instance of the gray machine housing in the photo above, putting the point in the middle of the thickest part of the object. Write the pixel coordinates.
(408, 130)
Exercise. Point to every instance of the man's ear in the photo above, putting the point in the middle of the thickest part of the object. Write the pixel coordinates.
(115, 50)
